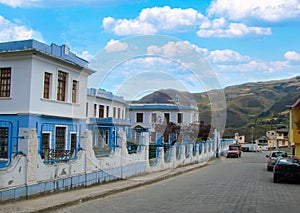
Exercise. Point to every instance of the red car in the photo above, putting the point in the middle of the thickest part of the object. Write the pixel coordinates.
(234, 151)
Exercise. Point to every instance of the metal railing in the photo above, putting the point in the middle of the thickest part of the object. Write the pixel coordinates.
(59, 149)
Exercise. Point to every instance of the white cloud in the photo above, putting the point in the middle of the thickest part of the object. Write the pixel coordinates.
(20, 3)
(165, 19)
(11, 31)
(232, 30)
(255, 67)
(179, 49)
(268, 10)
(292, 56)
(224, 56)
(86, 55)
(60, 3)
(115, 46)
(153, 20)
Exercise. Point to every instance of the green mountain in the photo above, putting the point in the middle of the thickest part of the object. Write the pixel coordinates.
(259, 104)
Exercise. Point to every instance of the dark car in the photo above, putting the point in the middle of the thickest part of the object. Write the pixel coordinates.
(286, 169)
(272, 157)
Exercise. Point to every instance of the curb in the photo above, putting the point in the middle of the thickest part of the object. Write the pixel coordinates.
(173, 173)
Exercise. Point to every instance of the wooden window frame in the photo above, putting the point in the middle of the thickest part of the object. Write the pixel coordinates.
(5, 82)
(75, 91)
(107, 111)
(47, 85)
(101, 111)
(179, 118)
(62, 80)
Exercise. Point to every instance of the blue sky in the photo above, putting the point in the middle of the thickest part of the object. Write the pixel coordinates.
(242, 41)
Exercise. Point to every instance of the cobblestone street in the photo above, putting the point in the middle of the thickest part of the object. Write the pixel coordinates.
(227, 185)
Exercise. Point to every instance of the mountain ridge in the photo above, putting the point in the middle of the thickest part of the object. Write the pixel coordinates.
(254, 104)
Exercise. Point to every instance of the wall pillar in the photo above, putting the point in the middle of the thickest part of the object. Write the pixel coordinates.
(145, 145)
(28, 145)
(87, 146)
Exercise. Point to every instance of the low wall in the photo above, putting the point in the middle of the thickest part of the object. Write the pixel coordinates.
(28, 176)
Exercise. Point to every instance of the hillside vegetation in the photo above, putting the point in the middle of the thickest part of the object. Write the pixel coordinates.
(259, 104)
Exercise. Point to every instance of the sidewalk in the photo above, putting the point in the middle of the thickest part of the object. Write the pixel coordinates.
(72, 197)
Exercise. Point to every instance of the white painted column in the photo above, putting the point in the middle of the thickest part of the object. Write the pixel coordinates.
(28, 145)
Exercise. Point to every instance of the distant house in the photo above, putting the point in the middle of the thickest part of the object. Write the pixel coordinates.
(295, 127)
(43, 87)
(278, 138)
(150, 115)
(240, 138)
(106, 116)
(262, 143)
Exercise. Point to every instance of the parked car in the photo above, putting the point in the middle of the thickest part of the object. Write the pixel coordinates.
(272, 157)
(286, 169)
(234, 150)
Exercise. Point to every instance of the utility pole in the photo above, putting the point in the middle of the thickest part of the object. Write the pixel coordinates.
(252, 134)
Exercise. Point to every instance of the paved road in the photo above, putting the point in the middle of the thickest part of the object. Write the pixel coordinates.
(227, 185)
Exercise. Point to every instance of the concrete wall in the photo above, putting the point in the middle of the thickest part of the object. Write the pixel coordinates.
(20, 88)
(29, 176)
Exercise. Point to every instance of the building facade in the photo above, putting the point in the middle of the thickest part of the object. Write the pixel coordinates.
(44, 87)
(149, 116)
(278, 138)
(37, 80)
(295, 127)
(240, 138)
(106, 118)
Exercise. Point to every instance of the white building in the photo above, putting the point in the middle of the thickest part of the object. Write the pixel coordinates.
(240, 138)
(106, 117)
(146, 116)
(43, 87)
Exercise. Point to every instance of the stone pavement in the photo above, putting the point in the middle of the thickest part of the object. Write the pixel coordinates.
(50, 202)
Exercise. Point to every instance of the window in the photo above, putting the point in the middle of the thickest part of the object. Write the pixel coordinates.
(153, 117)
(5, 82)
(107, 111)
(61, 86)
(153, 136)
(179, 118)
(74, 91)
(47, 85)
(139, 117)
(101, 111)
(167, 117)
(73, 143)
(114, 112)
(60, 142)
(45, 146)
(119, 113)
(95, 110)
(3, 142)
